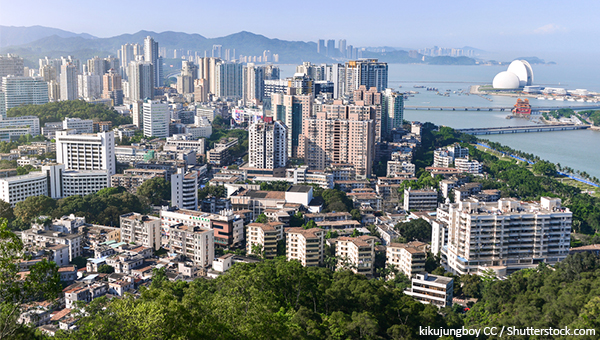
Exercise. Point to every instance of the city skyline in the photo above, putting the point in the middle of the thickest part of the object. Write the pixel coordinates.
(494, 28)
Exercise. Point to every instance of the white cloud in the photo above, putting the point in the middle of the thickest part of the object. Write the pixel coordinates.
(549, 29)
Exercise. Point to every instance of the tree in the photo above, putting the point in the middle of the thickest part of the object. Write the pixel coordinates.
(34, 206)
(310, 224)
(156, 190)
(257, 250)
(415, 230)
(6, 211)
(42, 283)
(544, 168)
(356, 214)
(297, 220)
(262, 218)
(106, 269)
(217, 191)
(79, 261)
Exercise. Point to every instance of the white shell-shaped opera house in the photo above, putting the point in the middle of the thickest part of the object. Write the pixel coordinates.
(523, 70)
(506, 81)
(518, 74)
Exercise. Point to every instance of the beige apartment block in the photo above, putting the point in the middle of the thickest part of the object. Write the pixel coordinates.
(305, 245)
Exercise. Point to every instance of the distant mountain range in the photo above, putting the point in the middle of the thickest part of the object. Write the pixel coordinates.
(12, 35)
(32, 43)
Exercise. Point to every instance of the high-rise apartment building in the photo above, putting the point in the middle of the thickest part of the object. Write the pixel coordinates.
(112, 87)
(268, 145)
(292, 110)
(392, 112)
(11, 65)
(371, 97)
(68, 82)
(271, 72)
(342, 47)
(207, 70)
(331, 48)
(89, 86)
(19, 90)
(504, 236)
(53, 63)
(151, 55)
(321, 47)
(341, 134)
(216, 51)
(155, 119)
(184, 190)
(254, 84)
(127, 54)
(49, 73)
(96, 66)
(141, 80)
(368, 72)
(87, 151)
(228, 79)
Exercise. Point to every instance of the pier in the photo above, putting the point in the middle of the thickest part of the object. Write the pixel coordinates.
(500, 108)
(523, 129)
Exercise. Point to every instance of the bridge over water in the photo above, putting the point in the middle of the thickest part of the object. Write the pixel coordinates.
(523, 129)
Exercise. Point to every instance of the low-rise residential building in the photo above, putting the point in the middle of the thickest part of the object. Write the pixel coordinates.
(356, 254)
(432, 289)
(305, 245)
(124, 263)
(262, 238)
(400, 169)
(85, 293)
(228, 226)
(184, 190)
(420, 200)
(43, 237)
(129, 181)
(504, 236)
(408, 258)
(223, 263)
(193, 242)
(463, 192)
(141, 229)
(467, 166)
(303, 175)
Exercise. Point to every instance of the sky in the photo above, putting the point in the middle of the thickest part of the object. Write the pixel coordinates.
(542, 28)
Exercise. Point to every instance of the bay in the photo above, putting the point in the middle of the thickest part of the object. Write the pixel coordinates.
(577, 149)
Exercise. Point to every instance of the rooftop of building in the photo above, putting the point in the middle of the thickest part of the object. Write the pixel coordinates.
(434, 278)
(299, 188)
(307, 233)
(139, 217)
(258, 194)
(263, 226)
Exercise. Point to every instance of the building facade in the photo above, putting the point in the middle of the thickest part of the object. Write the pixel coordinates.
(268, 145)
(504, 236)
(86, 152)
(141, 229)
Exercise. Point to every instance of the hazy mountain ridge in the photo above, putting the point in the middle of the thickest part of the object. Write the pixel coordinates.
(244, 43)
(13, 35)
